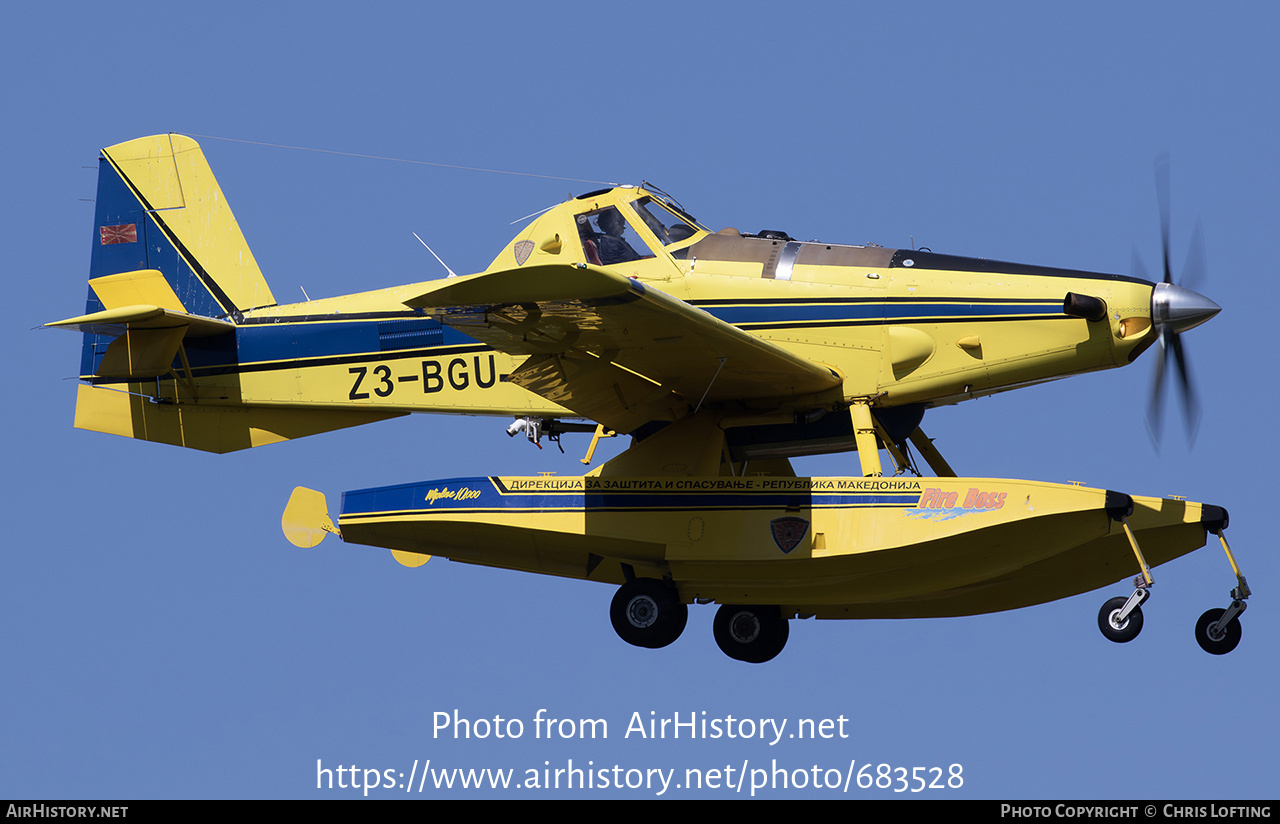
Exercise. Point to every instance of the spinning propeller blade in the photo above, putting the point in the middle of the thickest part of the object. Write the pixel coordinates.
(1174, 310)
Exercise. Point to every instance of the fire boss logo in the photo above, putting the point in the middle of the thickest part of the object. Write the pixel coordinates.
(788, 532)
(946, 504)
(933, 498)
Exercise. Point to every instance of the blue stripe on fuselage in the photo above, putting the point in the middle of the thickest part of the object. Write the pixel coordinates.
(266, 342)
(292, 340)
(875, 311)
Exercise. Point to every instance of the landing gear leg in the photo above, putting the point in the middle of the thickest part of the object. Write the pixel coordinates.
(1218, 631)
(1120, 619)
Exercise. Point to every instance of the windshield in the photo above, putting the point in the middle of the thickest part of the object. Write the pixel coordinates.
(667, 226)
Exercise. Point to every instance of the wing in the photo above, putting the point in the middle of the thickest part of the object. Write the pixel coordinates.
(615, 350)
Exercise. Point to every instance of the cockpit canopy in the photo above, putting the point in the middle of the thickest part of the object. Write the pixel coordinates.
(603, 232)
(611, 227)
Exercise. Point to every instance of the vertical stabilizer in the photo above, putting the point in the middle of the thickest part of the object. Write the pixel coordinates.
(159, 193)
(160, 208)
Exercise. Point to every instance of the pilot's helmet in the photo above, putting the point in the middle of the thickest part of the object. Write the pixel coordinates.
(611, 222)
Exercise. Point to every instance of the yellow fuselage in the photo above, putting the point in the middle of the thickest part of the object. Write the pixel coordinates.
(899, 326)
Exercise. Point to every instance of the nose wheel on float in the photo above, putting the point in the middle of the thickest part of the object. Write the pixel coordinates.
(1217, 632)
(1120, 619)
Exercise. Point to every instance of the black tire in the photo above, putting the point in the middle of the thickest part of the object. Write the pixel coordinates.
(754, 634)
(647, 613)
(1229, 639)
(1123, 634)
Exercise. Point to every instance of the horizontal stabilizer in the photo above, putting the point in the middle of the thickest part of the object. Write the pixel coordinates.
(146, 338)
(206, 427)
(145, 322)
(113, 322)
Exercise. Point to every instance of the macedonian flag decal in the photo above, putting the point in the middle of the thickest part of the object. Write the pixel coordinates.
(788, 532)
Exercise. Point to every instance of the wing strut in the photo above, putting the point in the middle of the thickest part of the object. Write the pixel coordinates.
(931, 455)
(864, 434)
(869, 435)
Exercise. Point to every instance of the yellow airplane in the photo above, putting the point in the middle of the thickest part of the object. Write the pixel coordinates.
(721, 354)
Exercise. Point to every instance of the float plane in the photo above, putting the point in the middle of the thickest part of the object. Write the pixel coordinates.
(721, 355)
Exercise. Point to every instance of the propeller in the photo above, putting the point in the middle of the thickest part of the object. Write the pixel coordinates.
(1174, 310)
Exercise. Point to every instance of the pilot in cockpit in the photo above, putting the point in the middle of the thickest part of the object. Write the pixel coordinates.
(607, 244)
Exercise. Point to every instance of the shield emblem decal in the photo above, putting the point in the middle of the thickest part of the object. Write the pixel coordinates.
(788, 532)
(523, 249)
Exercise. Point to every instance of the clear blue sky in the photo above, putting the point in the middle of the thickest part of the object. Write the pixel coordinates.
(162, 639)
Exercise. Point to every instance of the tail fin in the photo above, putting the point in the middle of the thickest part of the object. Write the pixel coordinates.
(171, 271)
(162, 219)
(159, 207)
(162, 187)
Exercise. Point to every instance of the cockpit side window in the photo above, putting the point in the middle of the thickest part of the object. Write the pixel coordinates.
(603, 238)
(666, 226)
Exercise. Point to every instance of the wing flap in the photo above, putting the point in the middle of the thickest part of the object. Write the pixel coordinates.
(599, 390)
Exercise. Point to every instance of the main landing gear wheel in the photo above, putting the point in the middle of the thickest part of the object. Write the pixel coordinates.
(1121, 632)
(647, 613)
(754, 634)
(1223, 640)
